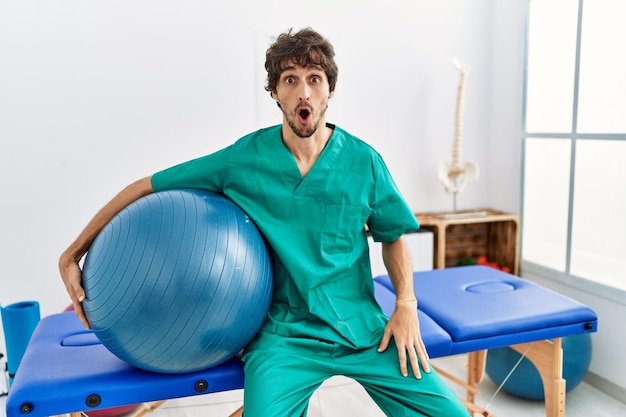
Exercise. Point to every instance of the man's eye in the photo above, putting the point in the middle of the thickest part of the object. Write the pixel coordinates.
(289, 80)
(316, 80)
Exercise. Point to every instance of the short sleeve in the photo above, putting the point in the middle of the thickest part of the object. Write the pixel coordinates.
(206, 172)
(391, 216)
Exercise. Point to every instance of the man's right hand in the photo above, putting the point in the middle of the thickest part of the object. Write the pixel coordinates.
(72, 278)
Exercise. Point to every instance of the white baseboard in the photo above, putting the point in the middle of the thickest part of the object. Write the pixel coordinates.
(606, 386)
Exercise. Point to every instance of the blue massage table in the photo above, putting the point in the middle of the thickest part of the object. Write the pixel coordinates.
(469, 309)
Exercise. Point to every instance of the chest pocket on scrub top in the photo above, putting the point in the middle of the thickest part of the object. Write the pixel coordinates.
(342, 225)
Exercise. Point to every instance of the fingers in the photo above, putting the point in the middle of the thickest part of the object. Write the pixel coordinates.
(411, 359)
(403, 326)
(384, 342)
(424, 359)
(77, 293)
(80, 313)
(415, 364)
(402, 358)
(78, 296)
(72, 277)
(414, 355)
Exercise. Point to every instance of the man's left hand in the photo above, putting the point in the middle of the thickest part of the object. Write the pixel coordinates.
(403, 326)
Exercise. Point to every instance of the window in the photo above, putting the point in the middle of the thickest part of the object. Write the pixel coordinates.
(574, 178)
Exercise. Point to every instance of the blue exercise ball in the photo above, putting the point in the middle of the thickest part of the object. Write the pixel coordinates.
(525, 381)
(178, 281)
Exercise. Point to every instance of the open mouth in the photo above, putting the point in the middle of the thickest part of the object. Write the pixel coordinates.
(304, 114)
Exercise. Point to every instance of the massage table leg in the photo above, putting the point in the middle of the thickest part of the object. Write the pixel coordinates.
(547, 356)
(475, 372)
(148, 408)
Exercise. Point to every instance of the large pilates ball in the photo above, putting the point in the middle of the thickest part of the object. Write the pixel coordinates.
(525, 381)
(178, 281)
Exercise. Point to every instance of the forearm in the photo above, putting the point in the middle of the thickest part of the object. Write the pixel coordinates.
(81, 245)
(68, 262)
(397, 259)
(403, 325)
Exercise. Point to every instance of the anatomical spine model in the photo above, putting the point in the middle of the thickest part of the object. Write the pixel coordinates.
(457, 173)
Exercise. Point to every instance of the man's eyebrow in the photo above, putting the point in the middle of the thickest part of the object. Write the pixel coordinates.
(288, 68)
(309, 67)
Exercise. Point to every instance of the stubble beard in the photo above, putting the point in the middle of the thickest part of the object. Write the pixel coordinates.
(301, 133)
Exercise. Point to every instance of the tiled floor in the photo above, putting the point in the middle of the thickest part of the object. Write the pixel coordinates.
(339, 397)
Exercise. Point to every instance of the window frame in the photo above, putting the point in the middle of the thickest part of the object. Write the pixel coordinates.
(532, 268)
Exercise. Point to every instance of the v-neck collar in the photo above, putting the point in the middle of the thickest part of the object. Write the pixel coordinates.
(315, 178)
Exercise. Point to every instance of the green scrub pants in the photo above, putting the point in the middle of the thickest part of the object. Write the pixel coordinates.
(282, 373)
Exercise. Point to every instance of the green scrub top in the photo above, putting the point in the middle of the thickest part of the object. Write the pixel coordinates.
(315, 227)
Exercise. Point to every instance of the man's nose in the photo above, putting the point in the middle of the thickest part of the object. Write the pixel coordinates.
(305, 93)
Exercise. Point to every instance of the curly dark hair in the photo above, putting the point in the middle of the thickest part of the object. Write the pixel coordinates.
(305, 47)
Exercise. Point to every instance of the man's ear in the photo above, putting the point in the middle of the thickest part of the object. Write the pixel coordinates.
(275, 97)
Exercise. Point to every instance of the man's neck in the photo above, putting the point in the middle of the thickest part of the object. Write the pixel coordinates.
(306, 150)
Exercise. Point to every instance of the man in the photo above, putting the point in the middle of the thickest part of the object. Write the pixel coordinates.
(311, 188)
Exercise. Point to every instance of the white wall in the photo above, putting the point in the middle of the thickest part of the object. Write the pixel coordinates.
(96, 94)
(421, 247)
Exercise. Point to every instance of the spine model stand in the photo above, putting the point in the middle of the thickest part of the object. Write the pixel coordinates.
(457, 173)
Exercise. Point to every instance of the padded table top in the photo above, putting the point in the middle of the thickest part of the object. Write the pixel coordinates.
(481, 307)
(61, 352)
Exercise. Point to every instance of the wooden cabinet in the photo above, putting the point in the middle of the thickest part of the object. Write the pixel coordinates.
(469, 234)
